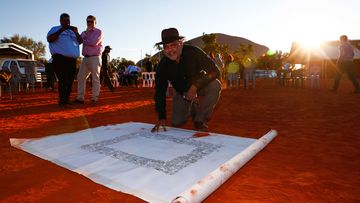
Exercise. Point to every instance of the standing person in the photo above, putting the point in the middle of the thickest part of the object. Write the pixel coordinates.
(249, 71)
(191, 72)
(92, 45)
(105, 58)
(50, 75)
(64, 43)
(218, 60)
(346, 64)
(133, 74)
(233, 69)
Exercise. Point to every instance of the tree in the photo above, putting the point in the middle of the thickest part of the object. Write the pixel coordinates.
(272, 60)
(159, 54)
(118, 62)
(38, 48)
(210, 45)
(153, 59)
(158, 47)
(244, 54)
(244, 51)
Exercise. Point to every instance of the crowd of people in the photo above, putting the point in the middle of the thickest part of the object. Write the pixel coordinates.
(189, 70)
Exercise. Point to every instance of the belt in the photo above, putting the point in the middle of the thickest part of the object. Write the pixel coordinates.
(62, 56)
(89, 56)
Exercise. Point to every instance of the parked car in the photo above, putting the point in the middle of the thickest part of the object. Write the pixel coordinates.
(29, 64)
(265, 73)
(22, 63)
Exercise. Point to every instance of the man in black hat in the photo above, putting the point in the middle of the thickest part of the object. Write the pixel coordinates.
(104, 75)
(191, 73)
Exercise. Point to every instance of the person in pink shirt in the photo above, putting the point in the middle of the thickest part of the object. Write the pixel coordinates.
(91, 64)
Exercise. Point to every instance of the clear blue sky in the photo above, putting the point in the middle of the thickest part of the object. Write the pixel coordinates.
(133, 27)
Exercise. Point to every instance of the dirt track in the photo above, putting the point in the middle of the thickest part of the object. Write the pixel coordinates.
(314, 158)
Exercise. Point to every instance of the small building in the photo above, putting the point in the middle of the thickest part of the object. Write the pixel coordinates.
(14, 51)
(322, 58)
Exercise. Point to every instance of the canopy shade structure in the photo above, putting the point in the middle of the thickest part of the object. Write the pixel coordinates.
(11, 50)
(329, 50)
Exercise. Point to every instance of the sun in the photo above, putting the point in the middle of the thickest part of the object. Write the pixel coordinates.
(309, 36)
(312, 30)
(310, 43)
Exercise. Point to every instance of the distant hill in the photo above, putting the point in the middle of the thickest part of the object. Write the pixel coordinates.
(233, 42)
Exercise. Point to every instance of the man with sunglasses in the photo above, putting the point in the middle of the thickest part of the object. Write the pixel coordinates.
(64, 43)
(191, 73)
(92, 45)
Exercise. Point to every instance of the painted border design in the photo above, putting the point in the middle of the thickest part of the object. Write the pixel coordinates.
(171, 167)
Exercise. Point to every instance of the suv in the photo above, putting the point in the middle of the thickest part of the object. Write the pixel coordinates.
(22, 63)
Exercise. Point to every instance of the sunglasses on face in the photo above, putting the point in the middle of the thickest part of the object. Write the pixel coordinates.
(90, 21)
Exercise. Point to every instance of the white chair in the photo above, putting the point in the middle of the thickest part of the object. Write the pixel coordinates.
(146, 79)
(39, 79)
(152, 78)
(115, 79)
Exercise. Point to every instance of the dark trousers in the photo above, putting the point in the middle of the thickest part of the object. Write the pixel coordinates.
(349, 68)
(134, 78)
(105, 78)
(201, 112)
(65, 68)
(50, 76)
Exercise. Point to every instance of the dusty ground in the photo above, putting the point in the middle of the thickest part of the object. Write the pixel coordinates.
(315, 157)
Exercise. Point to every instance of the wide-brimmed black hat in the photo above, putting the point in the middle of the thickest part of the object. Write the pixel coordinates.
(169, 35)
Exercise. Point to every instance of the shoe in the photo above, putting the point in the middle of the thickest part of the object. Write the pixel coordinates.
(78, 101)
(64, 104)
(94, 101)
(200, 126)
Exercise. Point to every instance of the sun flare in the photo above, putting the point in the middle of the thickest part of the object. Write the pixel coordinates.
(313, 29)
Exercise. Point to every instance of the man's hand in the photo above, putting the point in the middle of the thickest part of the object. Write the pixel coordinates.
(192, 93)
(73, 28)
(160, 125)
(63, 28)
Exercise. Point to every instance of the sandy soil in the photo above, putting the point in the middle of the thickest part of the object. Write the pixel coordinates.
(314, 158)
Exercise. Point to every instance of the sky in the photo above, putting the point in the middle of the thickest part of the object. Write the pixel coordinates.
(132, 27)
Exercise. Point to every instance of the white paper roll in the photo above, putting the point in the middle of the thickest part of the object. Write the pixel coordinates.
(204, 187)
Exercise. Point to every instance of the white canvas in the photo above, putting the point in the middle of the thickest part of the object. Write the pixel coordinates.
(156, 167)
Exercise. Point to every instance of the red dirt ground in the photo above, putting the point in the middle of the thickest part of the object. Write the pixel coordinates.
(314, 158)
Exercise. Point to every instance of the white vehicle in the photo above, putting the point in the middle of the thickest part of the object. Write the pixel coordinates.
(22, 63)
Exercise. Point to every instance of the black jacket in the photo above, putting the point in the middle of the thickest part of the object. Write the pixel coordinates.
(105, 57)
(195, 68)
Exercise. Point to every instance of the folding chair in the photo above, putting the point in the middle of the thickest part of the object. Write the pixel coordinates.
(5, 79)
(152, 78)
(146, 79)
